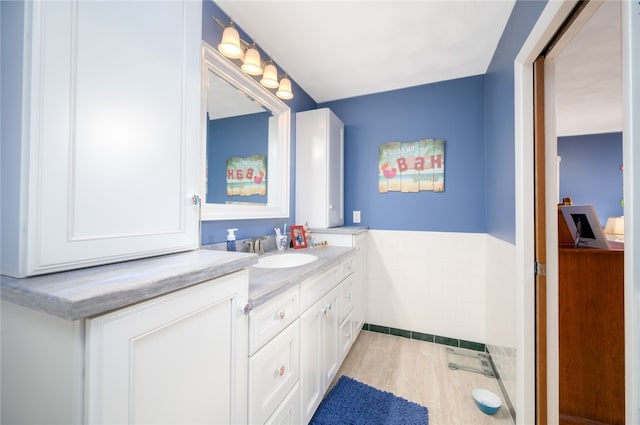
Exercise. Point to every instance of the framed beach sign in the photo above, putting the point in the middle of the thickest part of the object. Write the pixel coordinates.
(411, 166)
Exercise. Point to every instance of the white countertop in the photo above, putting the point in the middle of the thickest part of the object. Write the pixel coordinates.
(83, 293)
(264, 284)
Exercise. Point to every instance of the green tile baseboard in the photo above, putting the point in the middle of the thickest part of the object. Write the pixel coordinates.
(438, 339)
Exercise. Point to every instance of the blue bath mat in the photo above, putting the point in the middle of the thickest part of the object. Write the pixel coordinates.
(353, 403)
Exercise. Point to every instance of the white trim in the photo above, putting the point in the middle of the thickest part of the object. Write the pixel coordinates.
(631, 122)
(549, 21)
(278, 167)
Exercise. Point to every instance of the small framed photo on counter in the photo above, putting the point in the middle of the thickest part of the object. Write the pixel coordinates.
(298, 238)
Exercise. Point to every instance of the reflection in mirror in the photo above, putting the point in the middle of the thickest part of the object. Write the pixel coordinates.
(237, 146)
(246, 131)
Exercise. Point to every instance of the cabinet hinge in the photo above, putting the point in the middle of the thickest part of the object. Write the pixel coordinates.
(540, 269)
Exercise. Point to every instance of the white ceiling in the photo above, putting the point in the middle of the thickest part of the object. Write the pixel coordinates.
(589, 76)
(341, 49)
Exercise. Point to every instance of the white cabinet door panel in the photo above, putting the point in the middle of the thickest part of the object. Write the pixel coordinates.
(175, 359)
(113, 131)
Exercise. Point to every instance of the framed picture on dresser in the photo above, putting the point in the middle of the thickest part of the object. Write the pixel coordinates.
(584, 226)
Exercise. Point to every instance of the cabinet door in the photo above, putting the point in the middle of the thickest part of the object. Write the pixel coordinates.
(335, 171)
(330, 343)
(177, 359)
(318, 352)
(319, 168)
(113, 97)
(311, 366)
(347, 336)
(359, 282)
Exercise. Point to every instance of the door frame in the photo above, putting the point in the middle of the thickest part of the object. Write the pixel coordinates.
(548, 23)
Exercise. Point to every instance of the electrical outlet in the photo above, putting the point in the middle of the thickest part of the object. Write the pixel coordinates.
(356, 216)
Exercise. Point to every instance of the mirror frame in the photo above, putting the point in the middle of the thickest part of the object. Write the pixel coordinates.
(278, 158)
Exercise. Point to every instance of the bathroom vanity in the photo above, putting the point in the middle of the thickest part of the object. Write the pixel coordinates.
(199, 337)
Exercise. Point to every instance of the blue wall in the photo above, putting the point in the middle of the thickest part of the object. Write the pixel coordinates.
(475, 116)
(500, 119)
(242, 136)
(215, 231)
(451, 110)
(590, 172)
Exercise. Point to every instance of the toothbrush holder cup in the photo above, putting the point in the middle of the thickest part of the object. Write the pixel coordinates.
(281, 242)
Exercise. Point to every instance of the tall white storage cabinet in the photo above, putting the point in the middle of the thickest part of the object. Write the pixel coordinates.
(319, 168)
(105, 163)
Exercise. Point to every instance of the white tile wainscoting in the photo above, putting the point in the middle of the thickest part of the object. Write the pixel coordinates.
(460, 285)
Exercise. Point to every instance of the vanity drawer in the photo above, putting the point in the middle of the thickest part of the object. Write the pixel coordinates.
(347, 266)
(288, 413)
(345, 297)
(270, 318)
(273, 372)
(313, 288)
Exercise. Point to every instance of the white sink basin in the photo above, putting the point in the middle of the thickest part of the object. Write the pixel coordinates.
(281, 261)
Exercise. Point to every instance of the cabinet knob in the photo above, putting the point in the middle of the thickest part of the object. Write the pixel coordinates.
(325, 309)
(281, 370)
(246, 309)
(281, 314)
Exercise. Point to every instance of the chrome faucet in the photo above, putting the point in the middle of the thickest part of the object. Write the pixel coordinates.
(255, 246)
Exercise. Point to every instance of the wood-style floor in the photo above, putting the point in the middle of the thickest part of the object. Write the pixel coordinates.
(418, 371)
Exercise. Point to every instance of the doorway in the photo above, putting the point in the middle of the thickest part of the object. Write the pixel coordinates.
(566, 104)
(546, 26)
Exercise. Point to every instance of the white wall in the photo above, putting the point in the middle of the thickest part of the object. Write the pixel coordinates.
(430, 282)
(501, 315)
(457, 285)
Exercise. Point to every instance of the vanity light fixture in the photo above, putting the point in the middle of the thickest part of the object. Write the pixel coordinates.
(270, 76)
(284, 90)
(233, 47)
(230, 43)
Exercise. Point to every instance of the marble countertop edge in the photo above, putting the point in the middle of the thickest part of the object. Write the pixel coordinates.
(80, 294)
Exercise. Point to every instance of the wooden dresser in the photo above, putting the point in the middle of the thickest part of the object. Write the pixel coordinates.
(591, 332)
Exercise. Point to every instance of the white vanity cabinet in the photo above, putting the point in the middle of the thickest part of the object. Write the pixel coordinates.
(298, 340)
(319, 168)
(174, 359)
(106, 159)
(357, 240)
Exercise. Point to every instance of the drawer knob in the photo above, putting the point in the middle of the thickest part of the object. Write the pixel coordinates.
(281, 314)
(246, 309)
(281, 370)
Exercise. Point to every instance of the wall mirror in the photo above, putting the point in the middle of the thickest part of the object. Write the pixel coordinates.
(246, 144)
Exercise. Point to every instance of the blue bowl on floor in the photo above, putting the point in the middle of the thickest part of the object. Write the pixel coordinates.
(486, 401)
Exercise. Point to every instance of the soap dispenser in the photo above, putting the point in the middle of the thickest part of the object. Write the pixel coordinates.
(231, 239)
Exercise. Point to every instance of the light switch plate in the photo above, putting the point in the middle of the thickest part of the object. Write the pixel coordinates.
(356, 216)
